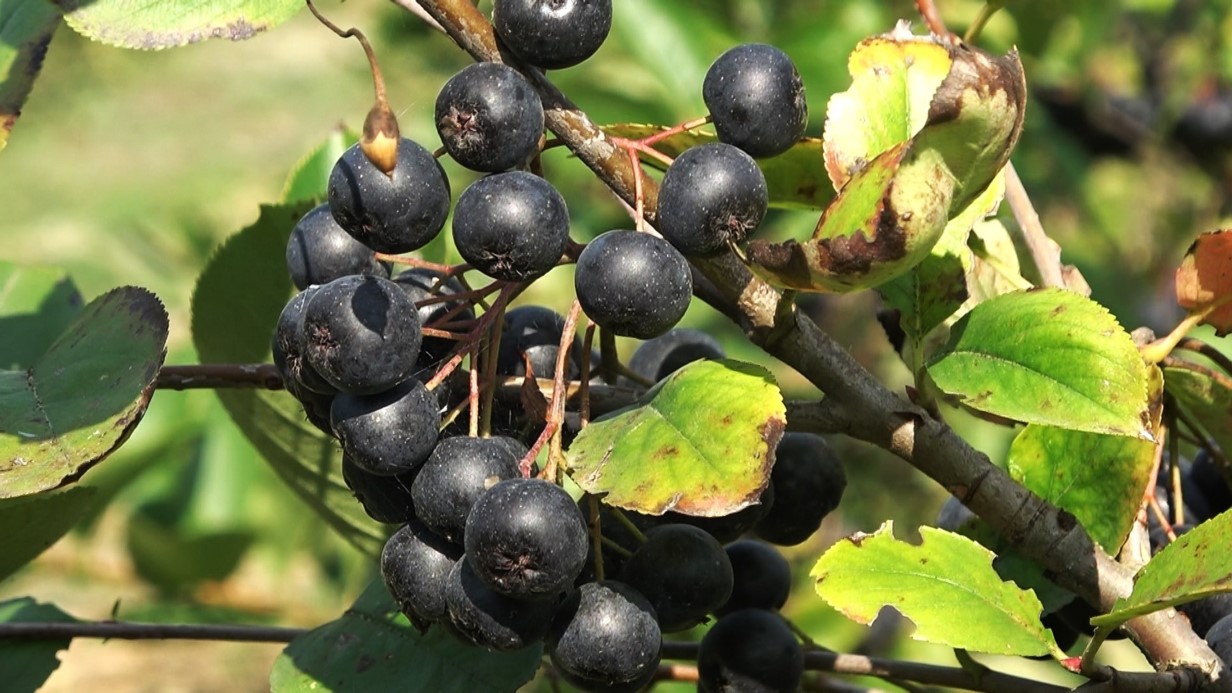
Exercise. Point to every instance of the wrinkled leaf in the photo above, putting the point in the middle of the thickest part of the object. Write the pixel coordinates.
(169, 23)
(1205, 276)
(895, 203)
(701, 442)
(796, 179)
(893, 80)
(235, 307)
(36, 305)
(946, 586)
(33, 523)
(309, 178)
(1099, 478)
(26, 664)
(84, 395)
(1049, 357)
(1204, 394)
(1196, 565)
(372, 647)
(26, 27)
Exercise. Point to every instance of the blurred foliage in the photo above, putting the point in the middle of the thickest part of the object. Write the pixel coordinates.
(129, 167)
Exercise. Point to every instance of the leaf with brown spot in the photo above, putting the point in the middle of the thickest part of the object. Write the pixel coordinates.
(170, 23)
(673, 451)
(1194, 566)
(901, 186)
(1205, 277)
(85, 394)
(26, 27)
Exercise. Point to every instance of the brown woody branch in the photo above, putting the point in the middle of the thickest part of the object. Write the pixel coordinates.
(118, 630)
(859, 405)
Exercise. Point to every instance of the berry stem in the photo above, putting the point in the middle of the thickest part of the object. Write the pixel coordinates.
(491, 351)
(1200, 347)
(624, 520)
(473, 396)
(594, 523)
(551, 434)
(981, 20)
(121, 630)
(584, 386)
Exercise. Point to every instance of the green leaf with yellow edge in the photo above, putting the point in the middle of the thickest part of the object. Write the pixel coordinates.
(309, 178)
(170, 23)
(84, 395)
(946, 586)
(701, 442)
(372, 647)
(26, 27)
(893, 80)
(1048, 357)
(1194, 566)
(1098, 478)
(1204, 394)
(795, 179)
(896, 203)
(235, 307)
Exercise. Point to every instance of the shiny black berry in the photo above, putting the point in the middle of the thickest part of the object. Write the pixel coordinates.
(552, 34)
(489, 117)
(712, 195)
(512, 226)
(634, 284)
(756, 99)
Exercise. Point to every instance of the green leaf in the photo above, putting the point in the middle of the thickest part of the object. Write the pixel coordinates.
(33, 523)
(84, 395)
(25, 665)
(374, 648)
(235, 306)
(1206, 395)
(26, 27)
(169, 23)
(893, 79)
(946, 586)
(1099, 478)
(36, 305)
(796, 179)
(701, 442)
(1194, 566)
(1049, 357)
(309, 178)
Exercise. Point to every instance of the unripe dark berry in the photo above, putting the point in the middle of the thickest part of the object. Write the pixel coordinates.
(633, 284)
(756, 99)
(489, 117)
(712, 195)
(390, 213)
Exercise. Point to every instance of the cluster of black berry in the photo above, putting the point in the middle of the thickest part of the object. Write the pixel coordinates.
(501, 560)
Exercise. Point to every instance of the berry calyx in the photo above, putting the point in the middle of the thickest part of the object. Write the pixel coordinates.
(489, 117)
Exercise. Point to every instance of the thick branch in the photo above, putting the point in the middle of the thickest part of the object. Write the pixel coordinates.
(116, 630)
(856, 403)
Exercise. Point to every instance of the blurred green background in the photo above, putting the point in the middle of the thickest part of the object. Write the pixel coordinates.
(130, 167)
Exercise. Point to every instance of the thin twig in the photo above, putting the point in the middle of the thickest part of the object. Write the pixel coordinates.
(1045, 253)
(119, 630)
(218, 376)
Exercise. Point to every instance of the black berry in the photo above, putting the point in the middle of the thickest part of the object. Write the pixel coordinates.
(456, 475)
(414, 564)
(489, 117)
(492, 620)
(808, 483)
(390, 213)
(526, 538)
(756, 99)
(684, 573)
(362, 334)
(761, 577)
(605, 638)
(290, 343)
(389, 433)
(634, 284)
(512, 226)
(384, 498)
(552, 34)
(657, 358)
(750, 651)
(711, 195)
(319, 251)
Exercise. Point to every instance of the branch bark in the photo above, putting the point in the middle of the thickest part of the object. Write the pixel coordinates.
(859, 405)
(119, 630)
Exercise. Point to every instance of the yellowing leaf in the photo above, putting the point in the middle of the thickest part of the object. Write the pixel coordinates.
(1205, 276)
